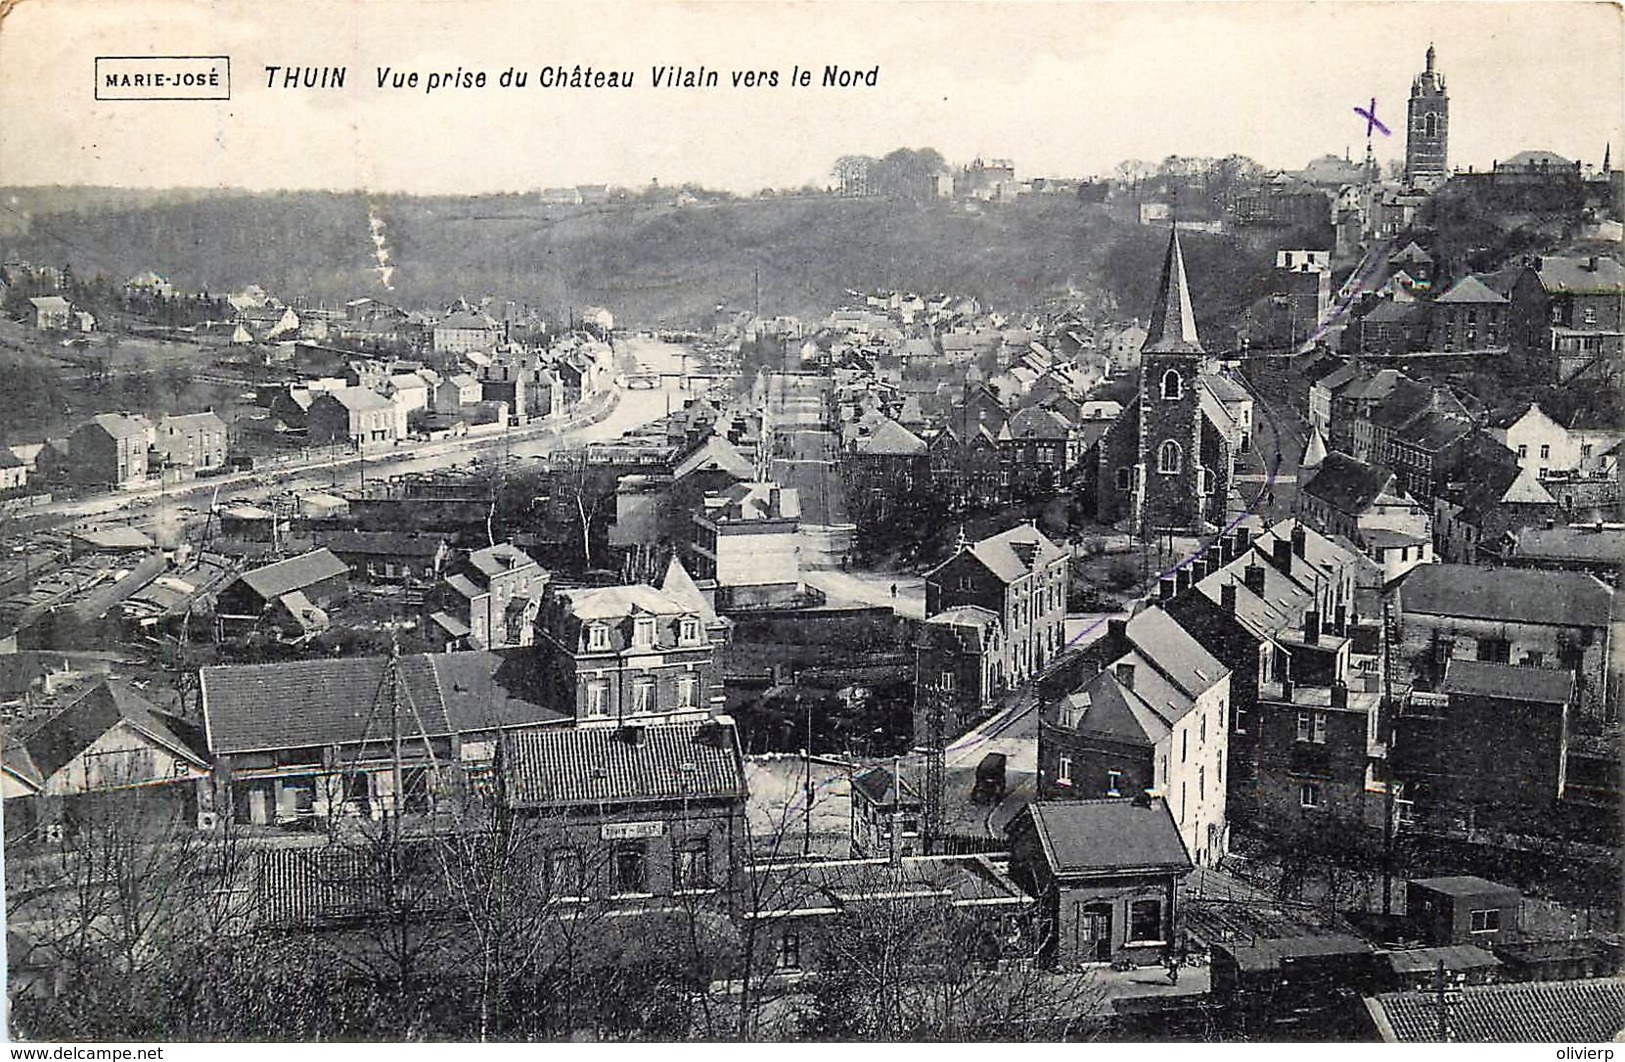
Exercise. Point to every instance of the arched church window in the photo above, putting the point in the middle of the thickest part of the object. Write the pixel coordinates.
(1173, 386)
(1169, 458)
(1430, 124)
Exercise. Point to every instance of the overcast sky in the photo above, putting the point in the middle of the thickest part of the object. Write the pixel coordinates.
(1062, 88)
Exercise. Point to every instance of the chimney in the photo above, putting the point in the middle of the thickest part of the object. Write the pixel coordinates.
(1341, 626)
(1227, 597)
(1116, 632)
(1340, 694)
(1125, 675)
(1253, 578)
(1299, 538)
(1244, 540)
(1283, 556)
(1182, 580)
(1227, 549)
(1167, 587)
(1212, 561)
(1285, 669)
(1311, 626)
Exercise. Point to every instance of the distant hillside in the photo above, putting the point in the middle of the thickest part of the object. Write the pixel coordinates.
(652, 264)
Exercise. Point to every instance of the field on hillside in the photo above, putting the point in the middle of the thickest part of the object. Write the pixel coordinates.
(652, 264)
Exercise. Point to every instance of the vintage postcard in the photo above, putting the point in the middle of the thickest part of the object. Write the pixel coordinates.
(879, 521)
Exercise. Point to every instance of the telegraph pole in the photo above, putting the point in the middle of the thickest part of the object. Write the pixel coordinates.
(936, 755)
(1388, 764)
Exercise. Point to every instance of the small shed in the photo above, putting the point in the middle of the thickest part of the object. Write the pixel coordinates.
(1462, 909)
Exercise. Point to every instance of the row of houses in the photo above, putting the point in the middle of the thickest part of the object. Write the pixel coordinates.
(121, 451)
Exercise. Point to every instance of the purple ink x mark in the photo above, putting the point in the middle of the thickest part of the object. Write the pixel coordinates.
(1371, 121)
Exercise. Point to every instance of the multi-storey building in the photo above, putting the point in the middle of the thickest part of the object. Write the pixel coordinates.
(628, 654)
(1021, 577)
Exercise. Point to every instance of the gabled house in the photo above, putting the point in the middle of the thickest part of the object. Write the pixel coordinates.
(486, 599)
(110, 450)
(305, 740)
(193, 441)
(1365, 505)
(1471, 316)
(959, 666)
(286, 590)
(109, 739)
(1154, 719)
(1020, 576)
(353, 415)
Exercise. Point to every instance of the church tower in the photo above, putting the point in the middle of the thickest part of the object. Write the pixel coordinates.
(1427, 129)
(1170, 446)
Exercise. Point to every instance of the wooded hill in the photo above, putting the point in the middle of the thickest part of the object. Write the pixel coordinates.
(652, 263)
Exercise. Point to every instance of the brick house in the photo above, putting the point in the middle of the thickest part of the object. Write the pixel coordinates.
(1106, 876)
(1470, 316)
(111, 449)
(1455, 780)
(1020, 576)
(352, 415)
(959, 661)
(486, 598)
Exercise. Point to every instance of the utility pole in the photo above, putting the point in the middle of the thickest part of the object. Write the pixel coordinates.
(1387, 711)
(806, 783)
(936, 753)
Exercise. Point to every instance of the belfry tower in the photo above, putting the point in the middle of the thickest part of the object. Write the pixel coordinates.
(1169, 475)
(1427, 129)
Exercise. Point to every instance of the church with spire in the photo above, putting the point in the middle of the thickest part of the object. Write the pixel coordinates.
(1168, 463)
(1427, 129)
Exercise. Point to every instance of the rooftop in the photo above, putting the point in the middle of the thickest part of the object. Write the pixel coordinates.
(1107, 836)
(1508, 682)
(1591, 1011)
(295, 573)
(669, 762)
(1515, 595)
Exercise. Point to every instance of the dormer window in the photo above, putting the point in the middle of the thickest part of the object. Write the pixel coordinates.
(1173, 385)
(643, 632)
(597, 637)
(688, 630)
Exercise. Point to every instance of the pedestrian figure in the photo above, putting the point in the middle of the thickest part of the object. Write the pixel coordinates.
(1173, 967)
(893, 590)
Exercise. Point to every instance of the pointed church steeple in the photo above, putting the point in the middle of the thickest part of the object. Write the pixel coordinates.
(1173, 323)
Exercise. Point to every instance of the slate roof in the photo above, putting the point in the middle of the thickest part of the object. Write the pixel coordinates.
(1265, 955)
(1174, 652)
(300, 703)
(1470, 289)
(1082, 837)
(502, 557)
(1580, 545)
(665, 763)
(380, 543)
(359, 399)
(1571, 276)
(1590, 1011)
(1513, 595)
(1392, 311)
(1508, 682)
(880, 785)
(54, 743)
(1172, 328)
(1036, 422)
(1003, 554)
(889, 437)
(616, 602)
(678, 585)
(1103, 706)
(121, 425)
(118, 537)
(295, 573)
(1434, 431)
